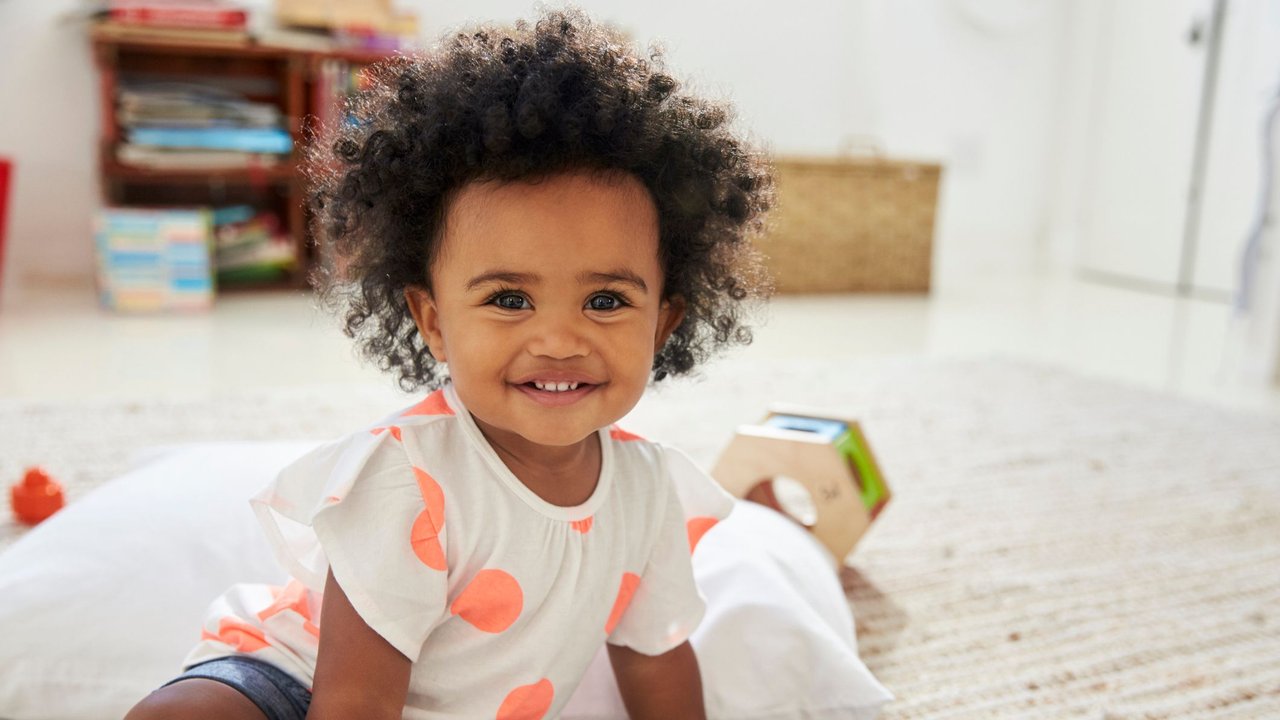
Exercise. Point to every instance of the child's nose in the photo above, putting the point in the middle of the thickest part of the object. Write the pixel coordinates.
(558, 336)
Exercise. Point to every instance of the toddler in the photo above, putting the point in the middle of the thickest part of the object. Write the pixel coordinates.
(533, 224)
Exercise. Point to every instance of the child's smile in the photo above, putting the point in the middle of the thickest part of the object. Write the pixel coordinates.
(557, 394)
(546, 301)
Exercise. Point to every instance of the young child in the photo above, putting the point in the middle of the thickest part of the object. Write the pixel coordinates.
(534, 224)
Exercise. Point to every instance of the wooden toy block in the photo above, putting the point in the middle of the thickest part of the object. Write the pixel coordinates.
(827, 455)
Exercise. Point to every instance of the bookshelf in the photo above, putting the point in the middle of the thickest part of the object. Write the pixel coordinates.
(296, 82)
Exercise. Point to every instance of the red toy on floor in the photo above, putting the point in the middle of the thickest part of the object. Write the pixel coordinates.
(37, 497)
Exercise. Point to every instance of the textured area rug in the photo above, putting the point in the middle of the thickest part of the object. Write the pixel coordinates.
(1057, 546)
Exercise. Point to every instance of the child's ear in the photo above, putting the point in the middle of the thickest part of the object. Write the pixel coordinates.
(427, 317)
(670, 315)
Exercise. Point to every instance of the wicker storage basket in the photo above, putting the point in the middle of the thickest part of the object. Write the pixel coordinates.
(852, 225)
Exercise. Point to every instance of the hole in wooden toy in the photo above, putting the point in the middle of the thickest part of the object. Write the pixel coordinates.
(788, 496)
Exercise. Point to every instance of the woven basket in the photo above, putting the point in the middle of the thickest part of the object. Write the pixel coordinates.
(852, 225)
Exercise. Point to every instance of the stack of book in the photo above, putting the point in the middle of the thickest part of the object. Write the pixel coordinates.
(249, 246)
(194, 126)
(359, 24)
(153, 259)
(215, 22)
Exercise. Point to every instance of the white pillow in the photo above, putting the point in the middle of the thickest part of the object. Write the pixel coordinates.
(100, 603)
(777, 640)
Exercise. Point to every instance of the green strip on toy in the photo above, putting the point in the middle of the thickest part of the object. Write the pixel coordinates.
(853, 448)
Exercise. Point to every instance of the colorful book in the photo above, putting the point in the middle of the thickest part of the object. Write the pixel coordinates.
(252, 140)
(179, 14)
(192, 104)
(154, 259)
(250, 246)
(155, 158)
(189, 36)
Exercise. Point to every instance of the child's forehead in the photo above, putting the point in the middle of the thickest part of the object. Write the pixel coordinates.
(578, 217)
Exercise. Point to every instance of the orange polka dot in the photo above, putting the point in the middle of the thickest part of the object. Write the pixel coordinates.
(528, 702)
(432, 495)
(292, 596)
(424, 538)
(618, 433)
(630, 581)
(434, 404)
(491, 601)
(583, 526)
(239, 635)
(395, 431)
(698, 527)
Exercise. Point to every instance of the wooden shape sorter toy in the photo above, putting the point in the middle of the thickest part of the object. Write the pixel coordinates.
(814, 467)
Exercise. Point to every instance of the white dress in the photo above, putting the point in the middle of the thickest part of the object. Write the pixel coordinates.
(500, 599)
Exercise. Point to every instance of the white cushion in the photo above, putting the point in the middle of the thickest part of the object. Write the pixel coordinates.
(777, 640)
(100, 603)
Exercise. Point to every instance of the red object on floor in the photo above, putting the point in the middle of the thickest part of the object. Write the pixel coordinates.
(5, 169)
(36, 497)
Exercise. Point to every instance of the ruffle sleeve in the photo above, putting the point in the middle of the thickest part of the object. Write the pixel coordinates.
(702, 500)
(358, 507)
(665, 606)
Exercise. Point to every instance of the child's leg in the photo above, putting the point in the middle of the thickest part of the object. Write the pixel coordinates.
(234, 687)
(196, 699)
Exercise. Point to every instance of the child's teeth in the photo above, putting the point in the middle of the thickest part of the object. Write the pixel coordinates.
(555, 387)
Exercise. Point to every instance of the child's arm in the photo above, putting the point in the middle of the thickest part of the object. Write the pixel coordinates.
(358, 673)
(667, 686)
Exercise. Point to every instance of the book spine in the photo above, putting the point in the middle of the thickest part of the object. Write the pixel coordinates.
(181, 17)
(259, 140)
(154, 259)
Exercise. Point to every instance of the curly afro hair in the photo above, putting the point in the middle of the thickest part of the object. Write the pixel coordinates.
(520, 104)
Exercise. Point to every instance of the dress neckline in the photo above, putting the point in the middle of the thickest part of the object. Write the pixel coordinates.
(558, 512)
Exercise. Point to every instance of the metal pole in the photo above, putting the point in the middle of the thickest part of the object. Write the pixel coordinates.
(1204, 127)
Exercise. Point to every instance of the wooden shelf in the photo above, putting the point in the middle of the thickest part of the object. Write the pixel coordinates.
(281, 174)
(287, 77)
(106, 42)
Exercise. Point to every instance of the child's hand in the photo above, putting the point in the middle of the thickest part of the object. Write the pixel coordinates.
(358, 673)
(666, 687)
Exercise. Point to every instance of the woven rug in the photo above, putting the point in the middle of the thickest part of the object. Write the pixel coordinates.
(1057, 546)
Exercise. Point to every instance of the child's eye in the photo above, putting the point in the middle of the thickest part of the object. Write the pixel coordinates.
(606, 301)
(510, 301)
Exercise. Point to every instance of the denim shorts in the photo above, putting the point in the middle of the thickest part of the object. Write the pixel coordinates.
(274, 691)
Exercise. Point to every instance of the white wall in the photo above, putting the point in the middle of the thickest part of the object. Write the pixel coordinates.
(1140, 147)
(1132, 91)
(970, 84)
(1248, 80)
(1252, 357)
(973, 84)
(48, 127)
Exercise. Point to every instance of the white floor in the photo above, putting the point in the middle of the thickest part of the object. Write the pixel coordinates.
(56, 344)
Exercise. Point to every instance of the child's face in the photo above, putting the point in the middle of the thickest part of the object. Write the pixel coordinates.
(554, 282)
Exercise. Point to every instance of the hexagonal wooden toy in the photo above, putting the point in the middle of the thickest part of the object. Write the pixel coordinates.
(796, 449)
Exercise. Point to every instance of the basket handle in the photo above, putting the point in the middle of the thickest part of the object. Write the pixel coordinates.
(861, 146)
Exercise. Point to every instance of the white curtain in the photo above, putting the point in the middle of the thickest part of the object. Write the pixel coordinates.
(1254, 346)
